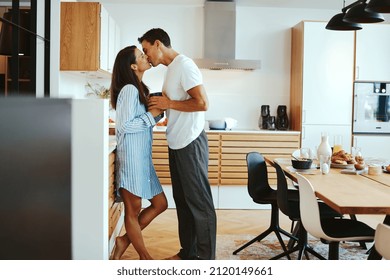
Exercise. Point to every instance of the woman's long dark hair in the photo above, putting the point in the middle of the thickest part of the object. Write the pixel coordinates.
(122, 75)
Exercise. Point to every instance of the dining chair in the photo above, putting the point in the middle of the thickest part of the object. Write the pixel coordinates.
(329, 230)
(291, 208)
(261, 192)
(382, 240)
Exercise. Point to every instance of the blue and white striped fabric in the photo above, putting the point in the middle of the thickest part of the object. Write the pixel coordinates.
(134, 135)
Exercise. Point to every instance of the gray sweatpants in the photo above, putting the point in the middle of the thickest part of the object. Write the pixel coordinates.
(193, 199)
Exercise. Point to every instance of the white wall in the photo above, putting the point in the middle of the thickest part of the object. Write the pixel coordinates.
(262, 33)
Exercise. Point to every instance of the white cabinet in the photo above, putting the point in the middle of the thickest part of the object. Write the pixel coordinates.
(372, 53)
(109, 40)
(113, 42)
(321, 82)
(104, 39)
(374, 146)
(311, 135)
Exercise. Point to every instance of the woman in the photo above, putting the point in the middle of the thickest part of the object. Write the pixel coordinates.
(136, 177)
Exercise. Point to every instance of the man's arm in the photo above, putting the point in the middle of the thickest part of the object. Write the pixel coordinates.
(197, 102)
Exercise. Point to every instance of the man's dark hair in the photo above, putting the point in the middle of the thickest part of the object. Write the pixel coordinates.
(156, 34)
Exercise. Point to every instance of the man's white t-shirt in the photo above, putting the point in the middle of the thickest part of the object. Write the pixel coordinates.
(183, 127)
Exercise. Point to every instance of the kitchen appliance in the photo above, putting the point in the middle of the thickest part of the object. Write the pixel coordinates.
(219, 43)
(222, 124)
(264, 117)
(217, 124)
(371, 107)
(282, 118)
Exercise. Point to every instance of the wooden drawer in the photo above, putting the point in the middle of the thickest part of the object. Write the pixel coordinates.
(234, 148)
(114, 215)
(161, 158)
(227, 154)
(114, 208)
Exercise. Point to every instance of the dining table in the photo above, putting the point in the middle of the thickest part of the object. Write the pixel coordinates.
(348, 193)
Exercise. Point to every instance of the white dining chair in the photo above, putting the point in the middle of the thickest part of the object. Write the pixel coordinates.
(332, 230)
(382, 240)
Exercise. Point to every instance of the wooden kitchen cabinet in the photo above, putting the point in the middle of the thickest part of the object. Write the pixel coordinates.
(372, 53)
(89, 37)
(234, 148)
(115, 209)
(227, 158)
(321, 89)
(161, 161)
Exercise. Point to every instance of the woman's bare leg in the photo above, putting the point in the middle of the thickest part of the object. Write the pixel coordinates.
(158, 205)
(133, 230)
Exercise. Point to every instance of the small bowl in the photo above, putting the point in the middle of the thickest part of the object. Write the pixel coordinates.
(302, 163)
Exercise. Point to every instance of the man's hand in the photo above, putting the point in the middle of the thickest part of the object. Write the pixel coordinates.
(159, 102)
(197, 102)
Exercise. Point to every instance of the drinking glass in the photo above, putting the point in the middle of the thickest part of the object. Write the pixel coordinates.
(325, 161)
(338, 143)
(356, 151)
(305, 153)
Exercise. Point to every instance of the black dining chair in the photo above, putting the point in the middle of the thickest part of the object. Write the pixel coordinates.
(291, 208)
(261, 192)
(329, 230)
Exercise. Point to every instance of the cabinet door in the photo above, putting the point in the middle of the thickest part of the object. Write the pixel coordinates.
(327, 75)
(110, 39)
(104, 38)
(113, 42)
(372, 53)
(311, 135)
(79, 42)
(374, 146)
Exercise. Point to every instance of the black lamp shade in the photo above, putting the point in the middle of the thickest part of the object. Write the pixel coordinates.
(358, 14)
(6, 43)
(337, 23)
(378, 6)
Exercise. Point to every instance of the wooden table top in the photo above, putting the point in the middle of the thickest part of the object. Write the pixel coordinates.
(346, 193)
(383, 178)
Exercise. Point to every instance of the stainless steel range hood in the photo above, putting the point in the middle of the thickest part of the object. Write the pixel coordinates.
(220, 38)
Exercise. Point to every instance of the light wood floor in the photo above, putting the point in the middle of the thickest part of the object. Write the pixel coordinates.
(162, 241)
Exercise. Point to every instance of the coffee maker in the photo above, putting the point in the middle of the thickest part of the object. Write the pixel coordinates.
(264, 117)
(282, 118)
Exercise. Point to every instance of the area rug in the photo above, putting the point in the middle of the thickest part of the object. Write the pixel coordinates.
(269, 247)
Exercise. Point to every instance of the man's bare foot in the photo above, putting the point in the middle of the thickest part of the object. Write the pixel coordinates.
(121, 244)
(174, 258)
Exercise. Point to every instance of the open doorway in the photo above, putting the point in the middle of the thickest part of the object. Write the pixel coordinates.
(24, 51)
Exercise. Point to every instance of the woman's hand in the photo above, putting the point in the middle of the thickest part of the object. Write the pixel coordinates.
(155, 112)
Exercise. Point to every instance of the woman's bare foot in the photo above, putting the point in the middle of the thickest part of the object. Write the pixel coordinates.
(121, 244)
(174, 257)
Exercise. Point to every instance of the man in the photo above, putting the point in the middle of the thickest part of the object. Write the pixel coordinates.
(184, 98)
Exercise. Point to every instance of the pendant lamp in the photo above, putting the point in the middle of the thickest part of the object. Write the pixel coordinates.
(378, 6)
(358, 14)
(337, 23)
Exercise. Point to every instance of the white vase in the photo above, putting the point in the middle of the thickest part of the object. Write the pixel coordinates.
(324, 147)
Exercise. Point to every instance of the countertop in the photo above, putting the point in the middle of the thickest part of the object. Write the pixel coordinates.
(255, 131)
